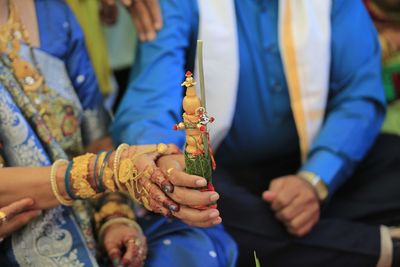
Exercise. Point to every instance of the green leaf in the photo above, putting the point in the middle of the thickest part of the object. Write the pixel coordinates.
(258, 264)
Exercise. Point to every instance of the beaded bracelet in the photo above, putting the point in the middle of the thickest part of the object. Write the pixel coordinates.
(67, 182)
(53, 183)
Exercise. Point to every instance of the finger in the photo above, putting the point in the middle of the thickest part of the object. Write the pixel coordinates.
(291, 211)
(108, 12)
(193, 197)
(269, 196)
(17, 207)
(141, 18)
(180, 178)
(165, 150)
(309, 215)
(137, 22)
(158, 196)
(276, 185)
(197, 216)
(176, 161)
(18, 221)
(131, 252)
(113, 252)
(305, 229)
(155, 12)
(283, 199)
(206, 224)
(158, 178)
(127, 2)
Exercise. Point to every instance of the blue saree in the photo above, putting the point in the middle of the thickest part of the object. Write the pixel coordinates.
(63, 236)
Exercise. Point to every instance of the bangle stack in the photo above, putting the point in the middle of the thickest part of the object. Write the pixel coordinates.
(82, 181)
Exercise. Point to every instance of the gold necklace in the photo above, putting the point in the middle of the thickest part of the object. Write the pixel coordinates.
(12, 34)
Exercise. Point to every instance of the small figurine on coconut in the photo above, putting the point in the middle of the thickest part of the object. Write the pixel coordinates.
(199, 159)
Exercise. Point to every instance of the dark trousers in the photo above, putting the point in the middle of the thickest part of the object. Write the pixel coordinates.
(347, 234)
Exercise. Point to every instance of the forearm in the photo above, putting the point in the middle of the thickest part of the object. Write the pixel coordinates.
(20, 182)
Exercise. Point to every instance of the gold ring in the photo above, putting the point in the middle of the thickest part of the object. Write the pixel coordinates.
(169, 171)
(162, 148)
(3, 218)
(140, 251)
(131, 241)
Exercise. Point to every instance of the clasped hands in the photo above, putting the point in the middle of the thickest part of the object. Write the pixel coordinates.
(171, 191)
(295, 204)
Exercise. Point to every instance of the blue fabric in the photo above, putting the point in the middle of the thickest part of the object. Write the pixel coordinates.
(62, 37)
(263, 125)
(54, 238)
(173, 243)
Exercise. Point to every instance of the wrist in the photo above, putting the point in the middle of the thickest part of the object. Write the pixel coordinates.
(116, 221)
(60, 175)
(316, 182)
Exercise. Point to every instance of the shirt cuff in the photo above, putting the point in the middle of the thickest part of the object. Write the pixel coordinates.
(328, 166)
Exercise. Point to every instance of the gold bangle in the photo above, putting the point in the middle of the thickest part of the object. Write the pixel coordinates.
(121, 220)
(121, 148)
(79, 176)
(53, 182)
(112, 208)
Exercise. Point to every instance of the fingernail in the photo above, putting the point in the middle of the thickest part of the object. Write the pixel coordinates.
(214, 197)
(214, 214)
(157, 25)
(151, 36)
(30, 202)
(167, 188)
(218, 220)
(116, 262)
(201, 182)
(173, 207)
(38, 213)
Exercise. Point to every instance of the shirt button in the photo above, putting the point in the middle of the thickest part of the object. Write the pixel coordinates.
(80, 78)
(272, 49)
(277, 88)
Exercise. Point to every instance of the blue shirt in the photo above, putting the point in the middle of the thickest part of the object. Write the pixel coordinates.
(263, 125)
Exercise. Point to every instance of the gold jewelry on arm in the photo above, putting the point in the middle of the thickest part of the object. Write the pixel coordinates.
(121, 148)
(53, 182)
(321, 189)
(113, 208)
(79, 176)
